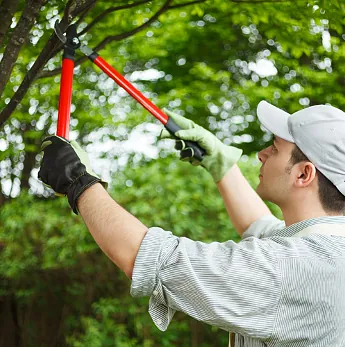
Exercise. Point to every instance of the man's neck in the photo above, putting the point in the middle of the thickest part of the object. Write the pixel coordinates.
(295, 213)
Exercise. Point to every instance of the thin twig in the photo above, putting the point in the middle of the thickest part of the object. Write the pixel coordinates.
(86, 11)
(111, 10)
(266, 1)
(187, 4)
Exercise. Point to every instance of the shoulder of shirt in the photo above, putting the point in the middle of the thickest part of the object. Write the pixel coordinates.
(264, 227)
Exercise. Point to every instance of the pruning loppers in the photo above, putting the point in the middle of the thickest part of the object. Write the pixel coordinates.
(71, 44)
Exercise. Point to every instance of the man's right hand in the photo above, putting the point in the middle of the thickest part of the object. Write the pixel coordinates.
(219, 158)
(66, 169)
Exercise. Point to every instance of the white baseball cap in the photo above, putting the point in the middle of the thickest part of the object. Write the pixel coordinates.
(318, 131)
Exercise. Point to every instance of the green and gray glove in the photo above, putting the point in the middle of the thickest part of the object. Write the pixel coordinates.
(66, 168)
(219, 158)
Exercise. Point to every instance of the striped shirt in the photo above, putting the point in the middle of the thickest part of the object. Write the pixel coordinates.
(270, 289)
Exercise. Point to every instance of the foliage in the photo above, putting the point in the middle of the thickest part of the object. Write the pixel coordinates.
(202, 59)
(51, 260)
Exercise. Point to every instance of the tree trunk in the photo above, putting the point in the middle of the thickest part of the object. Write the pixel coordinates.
(29, 163)
(2, 197)
(9, 333)
(7, 10)
(17, 40)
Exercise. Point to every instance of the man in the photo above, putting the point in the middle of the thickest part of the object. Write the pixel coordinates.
(284, 283)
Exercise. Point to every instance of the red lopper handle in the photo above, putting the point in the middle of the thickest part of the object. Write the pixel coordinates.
(65, 98)
(193, 148)
(130, 89)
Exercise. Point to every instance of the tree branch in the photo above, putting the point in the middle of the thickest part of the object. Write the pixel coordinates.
(85, 12)
(30, 155)
(67, 11)
(112, 38)
(111, 10)
(127, 34)
(29, 78)
(81, 6)
(17, 40)
(7, 10)
(119, 37)
(187, 4)
(266, 1)
(53, 45)
(2, 201)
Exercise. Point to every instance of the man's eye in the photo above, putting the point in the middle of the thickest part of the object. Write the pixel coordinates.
(274, 148)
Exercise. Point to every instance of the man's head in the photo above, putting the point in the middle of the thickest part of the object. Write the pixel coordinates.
(307, 158)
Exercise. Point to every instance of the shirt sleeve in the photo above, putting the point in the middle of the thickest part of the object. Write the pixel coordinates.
(234, 286)
(265, 226)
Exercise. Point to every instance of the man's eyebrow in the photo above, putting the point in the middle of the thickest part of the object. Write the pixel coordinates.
(275, 140)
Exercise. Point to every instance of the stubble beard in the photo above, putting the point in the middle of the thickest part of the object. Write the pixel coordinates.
(262, 192)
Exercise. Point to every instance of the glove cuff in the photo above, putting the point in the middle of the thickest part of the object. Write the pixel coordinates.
(223, 161)
(78, 186)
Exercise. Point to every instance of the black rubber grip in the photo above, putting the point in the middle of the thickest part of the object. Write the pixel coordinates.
(195, 150)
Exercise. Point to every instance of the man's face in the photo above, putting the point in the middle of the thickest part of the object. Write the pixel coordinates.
(275, 179)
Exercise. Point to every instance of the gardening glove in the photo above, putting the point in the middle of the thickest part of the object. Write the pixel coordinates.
(66, 169)
(219, 158)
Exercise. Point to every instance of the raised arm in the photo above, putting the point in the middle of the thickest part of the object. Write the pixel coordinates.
(242, 203)
(118, 233)
(66, 168)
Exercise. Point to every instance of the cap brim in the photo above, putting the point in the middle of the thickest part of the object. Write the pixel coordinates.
(274, 120)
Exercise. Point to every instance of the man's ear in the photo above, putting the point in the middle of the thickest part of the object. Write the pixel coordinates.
(305, 174)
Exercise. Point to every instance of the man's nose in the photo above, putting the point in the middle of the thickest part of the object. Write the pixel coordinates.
(263, 155)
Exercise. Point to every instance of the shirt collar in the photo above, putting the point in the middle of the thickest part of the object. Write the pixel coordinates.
(299, 226)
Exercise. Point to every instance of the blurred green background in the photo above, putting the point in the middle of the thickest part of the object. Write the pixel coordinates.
(212, 61)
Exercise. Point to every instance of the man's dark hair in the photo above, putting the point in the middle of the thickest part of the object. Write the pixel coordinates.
(330, 197)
